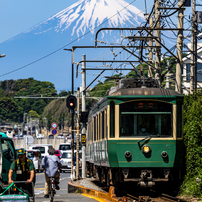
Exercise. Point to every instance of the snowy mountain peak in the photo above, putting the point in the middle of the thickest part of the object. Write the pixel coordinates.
(88, 14)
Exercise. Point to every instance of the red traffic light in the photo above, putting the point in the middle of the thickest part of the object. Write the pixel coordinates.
(71, 102)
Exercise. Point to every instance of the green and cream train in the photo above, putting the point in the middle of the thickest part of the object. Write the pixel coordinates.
(135, 134)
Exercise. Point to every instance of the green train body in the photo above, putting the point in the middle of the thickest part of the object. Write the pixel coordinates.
(7, 156)
(135, 134)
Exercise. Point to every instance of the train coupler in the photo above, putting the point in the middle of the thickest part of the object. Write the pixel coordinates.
(146, 184)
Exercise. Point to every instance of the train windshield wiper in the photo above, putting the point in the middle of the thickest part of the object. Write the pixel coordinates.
(148, 137)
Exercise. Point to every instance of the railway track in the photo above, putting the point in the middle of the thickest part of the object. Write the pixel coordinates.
(161, 198)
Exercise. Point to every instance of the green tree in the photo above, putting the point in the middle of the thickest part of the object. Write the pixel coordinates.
(33, 114)
(193, 142)
(9, 110)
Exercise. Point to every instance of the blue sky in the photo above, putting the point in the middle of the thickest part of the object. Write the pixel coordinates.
(19, 15)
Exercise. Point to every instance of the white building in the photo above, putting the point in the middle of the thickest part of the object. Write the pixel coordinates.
(186, 69)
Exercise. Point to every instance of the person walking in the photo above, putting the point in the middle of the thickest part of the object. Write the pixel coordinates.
(51, 164)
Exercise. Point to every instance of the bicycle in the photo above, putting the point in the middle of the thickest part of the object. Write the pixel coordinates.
(52, 191)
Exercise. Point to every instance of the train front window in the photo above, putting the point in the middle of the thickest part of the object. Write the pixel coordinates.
(145, 118)
(7, 150)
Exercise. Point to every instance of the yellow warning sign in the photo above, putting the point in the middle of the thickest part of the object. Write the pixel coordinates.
(83, 138)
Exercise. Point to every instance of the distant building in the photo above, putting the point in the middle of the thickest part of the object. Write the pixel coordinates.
(186, 69)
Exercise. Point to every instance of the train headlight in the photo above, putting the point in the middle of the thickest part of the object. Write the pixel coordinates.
(127, 154)
(164, 154)
(146, 149)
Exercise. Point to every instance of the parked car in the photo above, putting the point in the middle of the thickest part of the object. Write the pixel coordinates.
(58, 153)
(17, 136)
(51, 137)
(35, 156)
(64, 147)
(42, 147)
(60, 137)
(40, 136)
(66, 161)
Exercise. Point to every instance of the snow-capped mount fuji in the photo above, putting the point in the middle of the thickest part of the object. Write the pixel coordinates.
(86, 15)
(48, 38)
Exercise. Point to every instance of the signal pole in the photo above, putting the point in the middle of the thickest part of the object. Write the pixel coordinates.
(77, 142)
(178, 85)
(83, 110)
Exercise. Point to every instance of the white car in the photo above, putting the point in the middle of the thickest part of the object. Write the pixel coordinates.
(42, 147)
(63, 147)
(40, 136)
(35, 156)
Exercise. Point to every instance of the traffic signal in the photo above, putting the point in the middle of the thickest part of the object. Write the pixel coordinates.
(84, 117)
(71, 103)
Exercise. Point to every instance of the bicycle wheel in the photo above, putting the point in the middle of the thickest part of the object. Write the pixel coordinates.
(51, 196)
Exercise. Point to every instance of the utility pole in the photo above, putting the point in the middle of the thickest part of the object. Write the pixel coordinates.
(150, 50)
(30, 124)
(83, 110)
(167, 76)
(23, 124)
(27, 125)
(178, 85)
(158, 35)
(77, 142)
(192, 63)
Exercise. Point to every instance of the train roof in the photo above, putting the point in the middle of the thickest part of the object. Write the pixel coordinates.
(144, 92)
(139, 87)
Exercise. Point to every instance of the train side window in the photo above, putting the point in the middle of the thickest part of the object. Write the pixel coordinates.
(97, 136)
(100, 127)
(179, 119)
(106, 128)
(91, 130)
(112, 119)
(103, 125)
(94, 127)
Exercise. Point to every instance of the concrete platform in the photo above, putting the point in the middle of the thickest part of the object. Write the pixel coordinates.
(86, 186)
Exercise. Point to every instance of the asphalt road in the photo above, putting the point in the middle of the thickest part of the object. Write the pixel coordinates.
(61, 195)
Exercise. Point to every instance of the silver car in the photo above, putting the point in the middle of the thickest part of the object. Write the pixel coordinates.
(66, 161)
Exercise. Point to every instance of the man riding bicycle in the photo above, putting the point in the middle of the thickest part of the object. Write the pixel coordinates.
(51, 164)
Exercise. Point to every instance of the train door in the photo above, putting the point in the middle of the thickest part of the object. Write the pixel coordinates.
(7, 156)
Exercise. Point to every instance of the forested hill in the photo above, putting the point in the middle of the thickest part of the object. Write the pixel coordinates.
(12, 109)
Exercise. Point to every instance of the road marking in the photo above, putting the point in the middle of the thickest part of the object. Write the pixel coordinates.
(94, 197)
(40, 174)
(63, 178)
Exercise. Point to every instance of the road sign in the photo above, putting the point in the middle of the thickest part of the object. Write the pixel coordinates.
(83, 138)
(54, 131)
(54, 125)
(28, 139)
